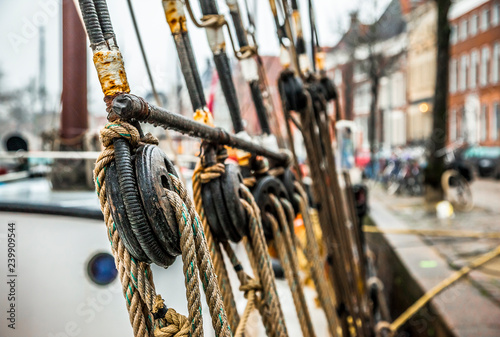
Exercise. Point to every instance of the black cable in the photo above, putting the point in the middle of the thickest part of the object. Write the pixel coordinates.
(143, 52)
(313, 29)
(104, 19)
(91, 21)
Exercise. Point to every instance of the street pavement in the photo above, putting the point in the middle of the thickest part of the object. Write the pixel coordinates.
(413, 213)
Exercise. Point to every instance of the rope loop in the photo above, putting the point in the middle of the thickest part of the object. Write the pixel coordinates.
(250, 285)
(213, 21)
(119, 129)
(383, 326)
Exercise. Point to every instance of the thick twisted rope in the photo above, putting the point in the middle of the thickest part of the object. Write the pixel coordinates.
(288, 257)
(268, 303)
(181, 200)
(135, 277)
(201, 176)
(325, 294)
(247, 284)
(269, 307)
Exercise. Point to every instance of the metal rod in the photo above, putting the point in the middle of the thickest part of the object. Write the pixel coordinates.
(217, 44)
(254, 84)
(129, 106)
(176, 19)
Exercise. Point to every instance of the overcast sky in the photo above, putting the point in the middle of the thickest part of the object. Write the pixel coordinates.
(20, 19)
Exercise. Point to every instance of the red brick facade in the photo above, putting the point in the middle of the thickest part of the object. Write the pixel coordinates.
(474, 100)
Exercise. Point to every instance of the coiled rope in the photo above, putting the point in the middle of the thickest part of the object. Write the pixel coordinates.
(136, 277)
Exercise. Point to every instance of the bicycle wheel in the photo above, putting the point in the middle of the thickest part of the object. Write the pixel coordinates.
(457, 190)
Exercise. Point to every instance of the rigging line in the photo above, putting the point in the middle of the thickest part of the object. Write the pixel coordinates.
(289, 35)
(143, 52)
(312, 23)
(153, 87)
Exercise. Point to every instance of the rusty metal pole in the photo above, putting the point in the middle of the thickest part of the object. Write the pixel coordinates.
(73, 174)
(74, 116)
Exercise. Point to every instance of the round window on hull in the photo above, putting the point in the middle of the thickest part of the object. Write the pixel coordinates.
(101, 269)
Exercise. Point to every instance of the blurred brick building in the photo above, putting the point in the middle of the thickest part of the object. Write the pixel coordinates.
(474, 85)
(421, 71)
(349, 61)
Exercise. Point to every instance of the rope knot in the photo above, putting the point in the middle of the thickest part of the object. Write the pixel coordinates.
(119, 129)
(250, 285)
(177, 325)
(159, 310)
(208, 173)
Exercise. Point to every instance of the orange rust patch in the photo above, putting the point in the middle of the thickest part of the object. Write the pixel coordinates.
(111, 72)
(174, 13)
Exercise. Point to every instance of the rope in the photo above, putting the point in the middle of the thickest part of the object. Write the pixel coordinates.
(269, 307)
(181, 200)
(422, 301)
(247, 284)
(288, 257)
(325, 294)
(433, 232)
(136, 277)
(201, 176)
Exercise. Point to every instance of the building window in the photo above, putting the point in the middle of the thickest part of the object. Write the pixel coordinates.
(453, 76)
(484, 130)
(462, 127)
(338, 77)
(463, 73)
(453, 34)
(495, 71)
(453, 125)
(463, 30)
(485, 65)
(495, 123)
(485, 19)
(474, 23)
(474, 68)
(495, 14)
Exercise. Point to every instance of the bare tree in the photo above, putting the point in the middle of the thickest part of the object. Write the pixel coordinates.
(436, 166)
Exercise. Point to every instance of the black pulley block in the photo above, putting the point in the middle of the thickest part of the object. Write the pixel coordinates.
(328, 88)
(153, 169)
(264, 187)
(119, 215)
(292, 88)
(220, 208)
(221, 202)
(318, 98)
(230, 183)
(288, 179)
(209, 207)
(138, 222)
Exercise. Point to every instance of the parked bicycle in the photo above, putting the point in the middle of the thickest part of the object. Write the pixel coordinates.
(456, 178)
